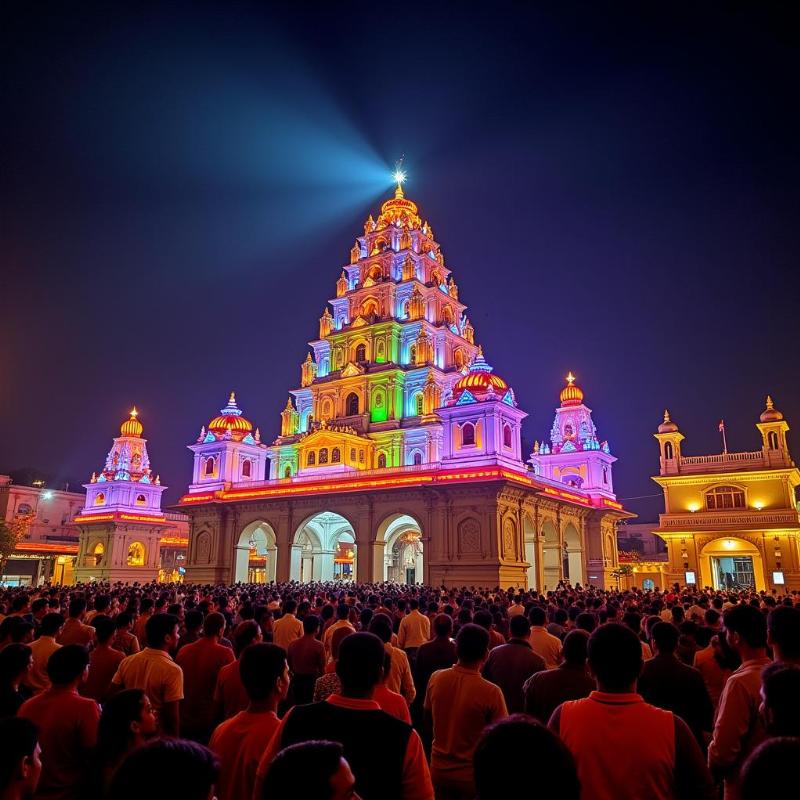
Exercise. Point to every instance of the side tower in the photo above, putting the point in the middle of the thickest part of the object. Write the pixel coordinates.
(121, 524)
(228, 451)
(575, 456)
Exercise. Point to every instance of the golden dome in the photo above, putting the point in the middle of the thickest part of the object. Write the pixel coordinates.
(231, 417)
(132, 426)
(667, 426)
(571, 395)
(770, 413)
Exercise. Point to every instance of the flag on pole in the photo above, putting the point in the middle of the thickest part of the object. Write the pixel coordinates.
(724, 439)
(722, 426)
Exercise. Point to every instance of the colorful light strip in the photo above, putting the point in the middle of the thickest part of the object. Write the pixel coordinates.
(118, 516)
(46, 547)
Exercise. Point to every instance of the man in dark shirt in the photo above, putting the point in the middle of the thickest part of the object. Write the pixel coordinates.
(543, 692)
(510, 665)
(439, 653)
(670, 684)
(306, 657)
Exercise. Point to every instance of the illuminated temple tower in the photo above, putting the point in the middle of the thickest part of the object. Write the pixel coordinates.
(399, 454)
(122, 522)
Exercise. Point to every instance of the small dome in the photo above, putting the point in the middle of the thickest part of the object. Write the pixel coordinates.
(667, 426)
(571, 394)
(132, 426)
(770, 413)
(479, 378)
(230, 417)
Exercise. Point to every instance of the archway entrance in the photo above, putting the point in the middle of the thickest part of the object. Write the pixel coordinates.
(573, 555)
(256, 554)
(551, 557)
(324, 549)
(729, 563)
(402, 551)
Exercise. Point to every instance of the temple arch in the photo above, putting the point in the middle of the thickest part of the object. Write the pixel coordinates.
(324, 549)
(402, 553)
(256, 554)
(573, 555)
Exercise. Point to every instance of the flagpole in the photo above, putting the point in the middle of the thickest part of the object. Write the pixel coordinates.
(724, 440)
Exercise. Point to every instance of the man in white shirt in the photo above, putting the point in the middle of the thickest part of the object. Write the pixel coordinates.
(414, 630)
(288, 627)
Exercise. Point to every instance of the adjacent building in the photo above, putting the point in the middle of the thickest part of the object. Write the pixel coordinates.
(731, 520)
(399, 456)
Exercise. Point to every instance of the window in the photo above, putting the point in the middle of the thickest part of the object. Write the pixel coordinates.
(141, 500)
(648, 585)
(412, 354)
(418, 405)
(287, 473)
(417, 458)
(323, 455)
(669, 453)
(467, 434)
(507, 436)
(381, 460)
(210, 466)
(605, 475)
(772, 439)
(247, 468)
(378, 400)
(24, 508)
(336, 455)
(351, 405)
(361, 352)
(312, 459)
(721, 498)
(100, 500)
(352, 454)
(98, 552)
(136, 554)
(361, 456)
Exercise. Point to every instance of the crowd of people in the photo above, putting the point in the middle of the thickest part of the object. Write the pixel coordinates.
(339, 690)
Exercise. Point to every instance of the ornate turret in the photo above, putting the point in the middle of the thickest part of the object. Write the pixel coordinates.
(669, 439)
(308, 371)
(667, 426)
(341, 285)
(575, 455)
(773, 428)
(230, 422)
(769, 414)
(131, 426)
(289, 419)
(416, 305)
(325, 324)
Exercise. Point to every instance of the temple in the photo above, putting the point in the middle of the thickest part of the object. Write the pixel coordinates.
(123, 533)
(399, 456)
(730, 519)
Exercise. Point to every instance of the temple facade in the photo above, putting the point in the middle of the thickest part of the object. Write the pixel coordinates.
(730, 520)
(123, 535)
(399, 456)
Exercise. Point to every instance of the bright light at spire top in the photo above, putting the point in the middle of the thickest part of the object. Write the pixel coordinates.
(134, 413)
(399, 177)
(570, 379)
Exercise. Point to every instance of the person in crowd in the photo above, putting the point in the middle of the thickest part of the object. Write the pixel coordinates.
(16, 665)
(154, 671)
(544, 644)
(519, 740)
(391, 702)
(438, 653)
(544, 691)
(342, 621)
(201, 662)
(306, 657)
(146, 611)
(42, 648)
(127, 721)
(716, 663)
(510, 665)
(192, 628)
(288, 628)
(315, 769)
(230, 696)
(414, 630)
(102, 603)
(124, 640)
(239, 741)
(780, 699)
(668, 683)
(67, 725)
(771, 769)
(20, 759)
(400, 679)
(484, 618)
(783, 634)
(104, 660)
(459, 703)
(329, 683)
(165, 769)
(662, 759)
(74, 630)
(739, 727)
(385, 754)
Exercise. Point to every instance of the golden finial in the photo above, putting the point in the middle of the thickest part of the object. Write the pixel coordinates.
(232, 399)
(770, 404)
(666, 416)
(570, 379)
(480, 350)
(134, 413)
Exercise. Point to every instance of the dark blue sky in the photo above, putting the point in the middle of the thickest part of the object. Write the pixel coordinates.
(614, 186)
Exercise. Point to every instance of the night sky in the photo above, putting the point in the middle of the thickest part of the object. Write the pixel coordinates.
(614, 186)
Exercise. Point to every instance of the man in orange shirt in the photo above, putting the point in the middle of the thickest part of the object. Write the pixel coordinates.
(104, 660)
(201, 663)
(240, 741)
(230, 696)
(74, 631)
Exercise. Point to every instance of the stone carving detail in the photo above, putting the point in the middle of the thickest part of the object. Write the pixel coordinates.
(469, 536)
(509, 547)
(204, 548)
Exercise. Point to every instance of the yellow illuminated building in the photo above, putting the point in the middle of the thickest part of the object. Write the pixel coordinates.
(731, 520)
